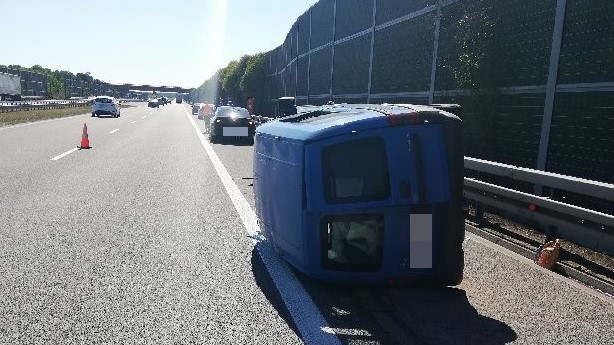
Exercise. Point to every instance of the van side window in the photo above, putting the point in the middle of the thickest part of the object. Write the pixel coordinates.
(356, 171)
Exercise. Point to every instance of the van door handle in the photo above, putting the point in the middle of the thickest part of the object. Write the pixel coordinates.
(405, 188)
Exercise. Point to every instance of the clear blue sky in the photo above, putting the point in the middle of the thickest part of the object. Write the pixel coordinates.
(178, 43)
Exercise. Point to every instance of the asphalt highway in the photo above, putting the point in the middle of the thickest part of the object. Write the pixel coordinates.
(144, 239)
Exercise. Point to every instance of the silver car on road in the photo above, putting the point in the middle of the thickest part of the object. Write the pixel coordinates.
(104, 105)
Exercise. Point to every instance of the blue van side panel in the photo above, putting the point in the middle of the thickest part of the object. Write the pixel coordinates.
(278, 188)
(325, 127)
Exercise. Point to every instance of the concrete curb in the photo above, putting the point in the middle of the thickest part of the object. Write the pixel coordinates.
(573, 273)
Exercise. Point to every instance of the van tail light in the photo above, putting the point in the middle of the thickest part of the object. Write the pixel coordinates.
(412, 118)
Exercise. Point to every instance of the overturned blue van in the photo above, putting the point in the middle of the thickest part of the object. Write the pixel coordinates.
(364, 193)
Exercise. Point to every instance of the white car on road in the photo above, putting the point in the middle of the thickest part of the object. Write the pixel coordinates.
(104, 105)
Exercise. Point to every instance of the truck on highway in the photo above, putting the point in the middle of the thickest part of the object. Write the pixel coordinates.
(10, 87)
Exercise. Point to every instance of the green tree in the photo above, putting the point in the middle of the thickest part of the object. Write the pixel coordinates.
(472, 64)
(55, 89)
(231, 79)
(253, 80)
(236, 81)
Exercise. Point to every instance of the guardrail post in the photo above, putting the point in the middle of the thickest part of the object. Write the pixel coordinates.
(479, 213)
(479, 209)
(552, 233)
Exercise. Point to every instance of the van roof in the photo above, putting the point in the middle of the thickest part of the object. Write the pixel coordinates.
(320, 122)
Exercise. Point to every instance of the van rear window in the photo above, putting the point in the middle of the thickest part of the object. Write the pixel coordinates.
(241, 113)
(356, 171)
(352, 242)
(104, 100)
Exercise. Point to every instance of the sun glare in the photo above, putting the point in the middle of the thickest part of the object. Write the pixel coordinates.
(214, 33)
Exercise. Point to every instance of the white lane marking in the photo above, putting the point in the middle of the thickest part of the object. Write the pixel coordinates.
(39, 122)
(64, 154)
(113, 131)
(133, 121)
(311, 324)
(142, 117)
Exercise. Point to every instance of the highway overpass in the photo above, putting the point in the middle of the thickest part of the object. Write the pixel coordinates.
(124, 88)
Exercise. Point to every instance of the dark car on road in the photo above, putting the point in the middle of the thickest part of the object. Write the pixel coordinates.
(231, 123)
(196, 108)
(153, 103)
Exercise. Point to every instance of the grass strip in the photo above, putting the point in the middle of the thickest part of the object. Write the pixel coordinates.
(16, 117)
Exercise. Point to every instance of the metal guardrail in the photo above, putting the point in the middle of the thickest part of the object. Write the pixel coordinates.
(580, 225)
(11, 106)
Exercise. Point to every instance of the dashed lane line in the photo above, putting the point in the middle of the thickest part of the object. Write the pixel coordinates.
(113, 131)
(64, 154)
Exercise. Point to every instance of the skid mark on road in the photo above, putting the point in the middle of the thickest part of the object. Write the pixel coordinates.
(64, 154)
(308, 320)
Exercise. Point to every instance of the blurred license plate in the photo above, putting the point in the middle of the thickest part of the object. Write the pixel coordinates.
(234, 131)
(421, 241)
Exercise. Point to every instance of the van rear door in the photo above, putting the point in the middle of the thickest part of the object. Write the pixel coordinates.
(420, 179)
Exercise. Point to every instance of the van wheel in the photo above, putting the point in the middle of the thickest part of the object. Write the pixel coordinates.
(93, 115)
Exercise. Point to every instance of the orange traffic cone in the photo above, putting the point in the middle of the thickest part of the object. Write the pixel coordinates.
(85, 141)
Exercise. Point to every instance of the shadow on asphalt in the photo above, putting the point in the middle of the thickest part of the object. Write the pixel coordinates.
(406, 315)
(391, 315)
(267, 286)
